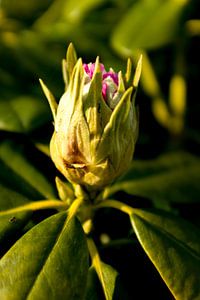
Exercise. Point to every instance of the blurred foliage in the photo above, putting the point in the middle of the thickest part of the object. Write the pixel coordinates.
(34, 36)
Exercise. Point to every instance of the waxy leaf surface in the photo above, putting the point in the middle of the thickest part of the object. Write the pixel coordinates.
(108, 286)
(173, 245)
(49, 262)
(18, 172)
(11, 223)
(148, 24)
(173, 177)
(23, 114)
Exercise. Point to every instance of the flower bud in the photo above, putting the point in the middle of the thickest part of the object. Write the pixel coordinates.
(96, 123)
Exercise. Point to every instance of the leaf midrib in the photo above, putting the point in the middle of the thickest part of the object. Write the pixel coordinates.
(169, 235)
(46, 259)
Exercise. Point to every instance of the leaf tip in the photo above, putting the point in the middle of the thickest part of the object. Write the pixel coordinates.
(138, 71)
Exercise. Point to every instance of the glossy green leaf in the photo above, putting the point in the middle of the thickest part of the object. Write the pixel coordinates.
(109, 286)
(49, 262)
(171, 178)
(73, 11)
(148, 24)
(10, 199)
(11, 223)
(173, 246)
(109, 277)
(162, 164)
(106, 274)
(23, 114)
(22, 9)
(50, 97)
(18, 172)
(94, 290)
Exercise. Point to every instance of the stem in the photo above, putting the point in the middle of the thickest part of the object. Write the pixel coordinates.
(96, 262)
(117, 205)
(37, 205)
(93, 251)
(74, 207)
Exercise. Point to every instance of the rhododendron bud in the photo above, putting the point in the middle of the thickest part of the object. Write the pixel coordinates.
(96, 123)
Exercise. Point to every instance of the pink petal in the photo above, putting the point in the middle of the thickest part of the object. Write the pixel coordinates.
(114, 76)
(104, 90)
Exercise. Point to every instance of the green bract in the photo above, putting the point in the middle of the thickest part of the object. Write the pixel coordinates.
(93, 143)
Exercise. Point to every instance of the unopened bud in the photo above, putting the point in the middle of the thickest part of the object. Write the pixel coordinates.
(96, 123)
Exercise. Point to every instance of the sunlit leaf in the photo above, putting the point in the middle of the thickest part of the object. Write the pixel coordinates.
(109, 283)
(94, 290)
(173, 246)
(23, 9)
(11, 223)
(18, 172)
(106, 274)
(109, 277)
(172, 178)
(49, 262)
(23, 114)
(148, 24)
(72, 11)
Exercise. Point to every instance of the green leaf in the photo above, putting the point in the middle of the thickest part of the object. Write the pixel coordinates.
(106, 274)
(23, 10)
(173, 246)
(18, 172)
(10, 199)
(109, 285)
(73, 11)
(49, 262)
(23, 114)
(148, 24)
(163, 164)
(109, 277)
(170, 178)
(94, 289)
(50, 97)
(9, 223)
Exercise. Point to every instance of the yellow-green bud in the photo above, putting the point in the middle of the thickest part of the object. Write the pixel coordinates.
(96, 123)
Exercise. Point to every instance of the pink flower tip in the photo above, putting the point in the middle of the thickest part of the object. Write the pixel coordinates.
(89, 70)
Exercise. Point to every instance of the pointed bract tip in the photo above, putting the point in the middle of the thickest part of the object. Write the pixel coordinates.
(138, 71)
(121, 86)
(129, 64)
(97, 59)
(97, 65)
(79, 64)
(44, 87)
(71, 49)
(71, 55)
(128, 70)
(71, 45)
(52, 102)
(71, 59)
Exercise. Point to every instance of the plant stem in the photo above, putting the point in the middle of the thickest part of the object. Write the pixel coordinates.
(74, 207)
(117, 205)
(93, 252)
(37, 205)
(96, 262)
